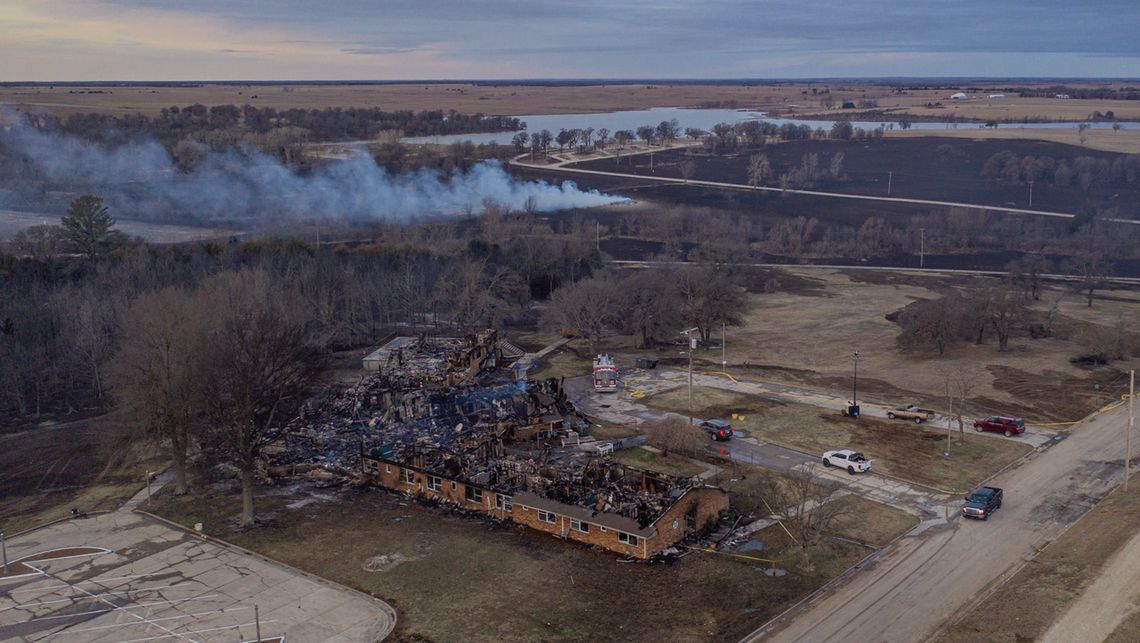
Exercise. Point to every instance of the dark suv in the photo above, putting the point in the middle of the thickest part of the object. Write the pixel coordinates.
(1008, 426)
(717, 429)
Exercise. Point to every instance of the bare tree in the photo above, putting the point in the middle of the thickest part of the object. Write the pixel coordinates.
(804, 502)
(1092, 270)
(260, 360)
(1008, 308)
(156, 373)
(590, 307)
(759, 170)
(686, 168)
(960, 385)
(675, 434)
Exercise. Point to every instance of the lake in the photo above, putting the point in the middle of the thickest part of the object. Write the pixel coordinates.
(700, 119)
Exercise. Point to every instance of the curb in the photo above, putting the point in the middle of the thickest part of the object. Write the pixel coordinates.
(57, 521)
(313, 577)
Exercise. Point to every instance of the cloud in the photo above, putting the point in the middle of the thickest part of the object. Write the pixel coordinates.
(405, 39)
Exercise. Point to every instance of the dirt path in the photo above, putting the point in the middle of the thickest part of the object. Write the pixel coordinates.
(562, 167)
(908, 592)
(1106, 603)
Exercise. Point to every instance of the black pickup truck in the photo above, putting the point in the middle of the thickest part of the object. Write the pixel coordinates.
(982, 502)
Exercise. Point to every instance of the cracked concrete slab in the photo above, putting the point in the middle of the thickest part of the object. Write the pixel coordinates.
(159, 582)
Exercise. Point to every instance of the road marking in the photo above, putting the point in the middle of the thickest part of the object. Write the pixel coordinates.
(113, 606)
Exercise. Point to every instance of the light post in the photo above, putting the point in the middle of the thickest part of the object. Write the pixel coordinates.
(855, 381)
(692, 341)
(723, 361)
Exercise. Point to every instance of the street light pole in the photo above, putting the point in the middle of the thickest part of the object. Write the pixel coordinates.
(1131, 425)
(855, 381)
(723, 361)
(692, 346)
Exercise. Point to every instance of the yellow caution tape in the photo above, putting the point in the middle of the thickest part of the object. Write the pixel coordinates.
(721, 373)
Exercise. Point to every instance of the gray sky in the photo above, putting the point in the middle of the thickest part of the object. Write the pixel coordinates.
(442, 39)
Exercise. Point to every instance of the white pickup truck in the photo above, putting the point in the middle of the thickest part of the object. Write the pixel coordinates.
(853, 461)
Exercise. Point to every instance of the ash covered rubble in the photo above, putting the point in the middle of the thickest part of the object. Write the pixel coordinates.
(436, 418)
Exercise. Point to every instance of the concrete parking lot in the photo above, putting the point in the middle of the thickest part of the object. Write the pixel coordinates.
(139, 579)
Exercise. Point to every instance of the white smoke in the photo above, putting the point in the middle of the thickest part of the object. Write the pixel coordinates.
(141, 181)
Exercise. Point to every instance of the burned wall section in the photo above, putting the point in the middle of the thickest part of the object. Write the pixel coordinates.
(438, 419)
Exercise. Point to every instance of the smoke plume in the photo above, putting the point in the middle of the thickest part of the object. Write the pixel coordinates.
(139, 180)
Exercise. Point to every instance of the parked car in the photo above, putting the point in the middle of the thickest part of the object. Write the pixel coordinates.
(717, 429)
(853, 461)
(982, 502)
(911, 412)
(1008, 426)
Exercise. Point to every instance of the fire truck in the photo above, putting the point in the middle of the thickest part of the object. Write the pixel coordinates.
(605, 374)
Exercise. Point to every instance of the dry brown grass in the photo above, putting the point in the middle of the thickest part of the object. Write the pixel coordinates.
(1125, 141)
(809, 339)
(672, 465)
(1042, 590)
(504, 99)
(900, 449)
(468, 580)
(786, 99)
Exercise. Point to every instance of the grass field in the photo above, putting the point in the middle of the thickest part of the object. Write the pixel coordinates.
(89, 465)
(645, 459)
(457, 570)
(901, 449)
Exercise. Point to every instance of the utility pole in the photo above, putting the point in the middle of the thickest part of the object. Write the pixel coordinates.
(692, 346)
(1131, 425)
(890, 176)
(257, 623)
(921, 247)
(4, 548)
(723, 361)
(598, 234)
(949, 426)
(1031, 193)
(855, 382)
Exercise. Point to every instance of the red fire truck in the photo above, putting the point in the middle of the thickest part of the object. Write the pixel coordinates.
(605, 374)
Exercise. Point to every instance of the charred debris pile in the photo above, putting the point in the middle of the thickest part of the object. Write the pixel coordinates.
(449, 407)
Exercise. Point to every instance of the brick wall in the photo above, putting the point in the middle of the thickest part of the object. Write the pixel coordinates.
(595, 534)
(690, 513)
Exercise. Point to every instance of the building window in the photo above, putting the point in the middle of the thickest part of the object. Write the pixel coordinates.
(454, 485)
(578, 525)
(604, 530)
(473, 494)
(503, 502)
(435, 484)
(409, 476)
(546, 516)
(387, 468)
(628, 539)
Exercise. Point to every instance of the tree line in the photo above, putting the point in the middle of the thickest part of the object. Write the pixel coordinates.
(65, 289)
(176, 123)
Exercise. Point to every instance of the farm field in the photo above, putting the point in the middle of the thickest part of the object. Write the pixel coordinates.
(508, 99)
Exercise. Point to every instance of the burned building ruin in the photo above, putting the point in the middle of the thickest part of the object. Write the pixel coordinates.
(435, 419)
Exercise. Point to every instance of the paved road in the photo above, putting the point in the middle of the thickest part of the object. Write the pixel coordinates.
(664, 378)
(156, 582)
(911, 590)
(562, 167)
(624, 410)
